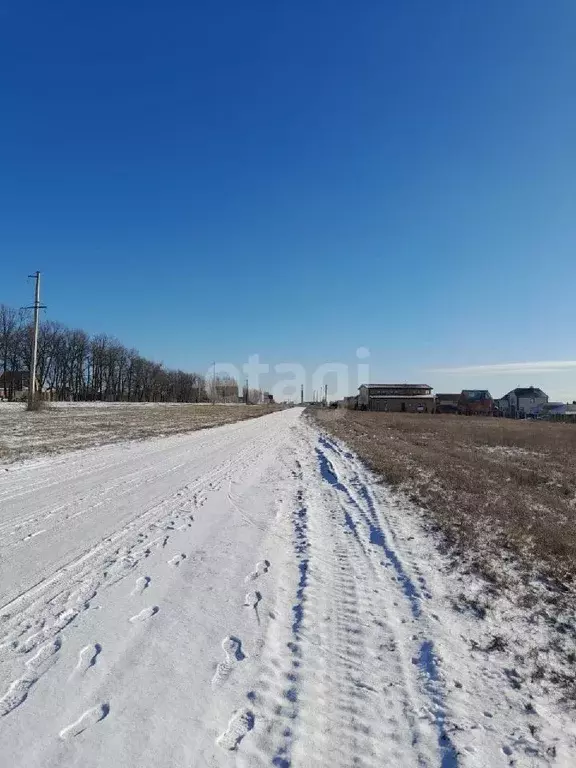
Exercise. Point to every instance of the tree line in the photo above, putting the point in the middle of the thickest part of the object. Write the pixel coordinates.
(72, 365)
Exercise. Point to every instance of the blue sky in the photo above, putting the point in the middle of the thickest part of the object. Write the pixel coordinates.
(297, 180)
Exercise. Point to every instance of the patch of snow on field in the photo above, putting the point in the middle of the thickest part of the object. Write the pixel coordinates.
(508, 451)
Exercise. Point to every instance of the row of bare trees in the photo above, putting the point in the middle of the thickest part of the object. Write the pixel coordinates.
(75, 366)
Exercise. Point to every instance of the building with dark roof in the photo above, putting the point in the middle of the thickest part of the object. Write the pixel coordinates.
(447, 402)
(520, 402)
(475, 402)
(410, 398)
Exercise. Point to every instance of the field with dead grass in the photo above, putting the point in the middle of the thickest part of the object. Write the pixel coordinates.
(500, 498)
(501, 482)
(25, 434)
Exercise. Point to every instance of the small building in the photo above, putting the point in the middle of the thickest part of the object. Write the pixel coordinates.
(14, 385)
(522, 401)
(555, 412)
(475, 402)
(447, 403)
(403, 398)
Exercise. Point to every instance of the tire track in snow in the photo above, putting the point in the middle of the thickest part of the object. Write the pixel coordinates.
(44, 610)
(338, 685)
(362, 671)
(425, 660)
(149, 517)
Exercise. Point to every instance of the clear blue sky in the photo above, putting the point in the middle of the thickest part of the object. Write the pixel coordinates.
(298, 179)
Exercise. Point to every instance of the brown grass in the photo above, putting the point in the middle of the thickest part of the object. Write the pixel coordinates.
(491, 485)
(500, 497)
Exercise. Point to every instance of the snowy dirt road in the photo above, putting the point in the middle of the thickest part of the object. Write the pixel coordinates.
(242, 596)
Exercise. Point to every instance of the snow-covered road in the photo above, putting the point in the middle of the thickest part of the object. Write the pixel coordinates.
(239, 596)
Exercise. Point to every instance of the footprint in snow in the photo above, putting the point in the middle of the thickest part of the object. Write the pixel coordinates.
(260, 569)
(87, 658)
(232, 648)
(145, 614)
(240, 724)
(141, 584)
(252, 599)
(35, 668)
(45, 656)
(16, 694)
(89, 718)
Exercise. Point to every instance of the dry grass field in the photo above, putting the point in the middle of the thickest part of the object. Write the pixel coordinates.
(488, 482)
(499, 496)
(25, 434)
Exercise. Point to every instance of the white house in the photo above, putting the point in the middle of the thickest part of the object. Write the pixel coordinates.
(521, 401)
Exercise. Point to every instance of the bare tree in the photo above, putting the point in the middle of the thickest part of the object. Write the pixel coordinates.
(10, 326)
(74, 366)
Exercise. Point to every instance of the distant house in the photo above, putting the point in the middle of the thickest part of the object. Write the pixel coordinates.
(556, 412)
(409, 398)
(14, 384)
(520, 402)
(447, 403)
(475, 402)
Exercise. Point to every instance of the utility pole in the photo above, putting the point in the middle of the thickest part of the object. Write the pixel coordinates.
(214, 383)
(325, 394)
(36, 307)
(301, 394)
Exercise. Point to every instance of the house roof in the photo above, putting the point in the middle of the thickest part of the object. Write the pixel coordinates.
(397, 386)
(476, 394)
(555, 409)
(525, 392)
(447, 395)
(528, 392)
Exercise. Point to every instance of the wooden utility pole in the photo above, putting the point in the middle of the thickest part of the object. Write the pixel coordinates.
(36, 307)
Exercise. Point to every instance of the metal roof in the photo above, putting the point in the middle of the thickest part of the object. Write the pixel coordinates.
(476, 394)
(396, 386)
(525, 392)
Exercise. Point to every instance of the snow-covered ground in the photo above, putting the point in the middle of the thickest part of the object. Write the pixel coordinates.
(249, 596)
(68, 426)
